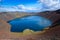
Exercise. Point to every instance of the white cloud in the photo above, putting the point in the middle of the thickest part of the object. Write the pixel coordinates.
(31, 8)
(42, 5)
(17, 8)
(26, 7)
(3, 9)
(21, 7)
(51, 4)
(13, 8)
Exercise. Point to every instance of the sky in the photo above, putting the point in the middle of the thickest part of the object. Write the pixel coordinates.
(29, 5)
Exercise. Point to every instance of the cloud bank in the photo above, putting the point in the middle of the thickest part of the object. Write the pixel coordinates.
(41, 5)
(51, 4)
(20, 7)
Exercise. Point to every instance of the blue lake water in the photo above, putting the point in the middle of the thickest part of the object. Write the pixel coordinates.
(36, 23)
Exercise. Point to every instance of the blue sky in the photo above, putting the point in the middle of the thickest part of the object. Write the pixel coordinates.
(29, 5)
(17, 2)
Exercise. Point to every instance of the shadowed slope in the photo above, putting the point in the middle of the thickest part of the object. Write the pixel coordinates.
(51, 34)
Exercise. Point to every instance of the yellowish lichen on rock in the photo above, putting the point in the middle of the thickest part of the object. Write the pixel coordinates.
(28, 31)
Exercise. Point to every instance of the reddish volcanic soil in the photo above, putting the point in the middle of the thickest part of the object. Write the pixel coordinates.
(52, 33)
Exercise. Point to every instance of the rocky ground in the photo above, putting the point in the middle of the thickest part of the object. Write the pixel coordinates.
(52, 33)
